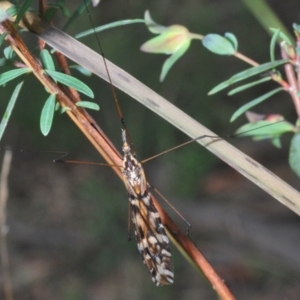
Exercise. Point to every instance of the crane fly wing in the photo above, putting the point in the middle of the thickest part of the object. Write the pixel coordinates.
(152, 241)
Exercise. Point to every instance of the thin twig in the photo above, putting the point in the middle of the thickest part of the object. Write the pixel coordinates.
(3, 227)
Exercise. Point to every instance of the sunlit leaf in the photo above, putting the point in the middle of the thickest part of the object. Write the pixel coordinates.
(168, 42)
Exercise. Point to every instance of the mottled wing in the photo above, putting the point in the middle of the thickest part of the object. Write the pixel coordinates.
(152, 241)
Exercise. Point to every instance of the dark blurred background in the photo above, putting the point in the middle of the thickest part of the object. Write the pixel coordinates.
(67, 234)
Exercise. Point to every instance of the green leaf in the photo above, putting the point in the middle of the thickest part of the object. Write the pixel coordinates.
(88, 104)
(13, 10)
(50, 13)
(9, 108)
(294, 155)
(249, 85)
(108, 26)
(12, 74)
(273, 44)
(232, 38)
(3, 61)
(47, 60)
(218, 44)
(47, 115)
(254, 102)
(72, 82)
(81, 69)
(265, 129)
(282, 36)
(172, 59)
(153, 26)
(296, 27)
(23, 9)
(3, 15)
(246, 74)
(78, 11)
(64, 109)
(9, 53)
(276, 142)
(2, 38)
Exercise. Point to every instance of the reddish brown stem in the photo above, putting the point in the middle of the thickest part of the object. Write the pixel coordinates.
(291, 77)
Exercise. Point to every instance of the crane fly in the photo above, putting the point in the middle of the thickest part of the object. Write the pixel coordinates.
(152, 240)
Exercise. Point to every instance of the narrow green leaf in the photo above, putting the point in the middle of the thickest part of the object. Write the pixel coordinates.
(249, 85)
(81, 69)
(246, 74)
(108, 26)
(72, 82)
(23, 9)
(273, 44)
(12, 74)
(13, 10)
(218, 44)
(9, 108)
(152, 25)
(254, 102)
(276, 142)
(3, 61)
(265, 129)
(3, 15)
(283, 36)
(47, 115)
(2, 38)
(88, 104)
(296, 27)
(172, 59)
(50, 13)
(232, 38)
(9, 53)
(47, 60)
(294, 155)
(77, 12)
(64, 109)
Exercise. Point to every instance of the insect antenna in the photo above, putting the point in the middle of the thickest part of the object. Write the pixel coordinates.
(216, 138)
(113, 90)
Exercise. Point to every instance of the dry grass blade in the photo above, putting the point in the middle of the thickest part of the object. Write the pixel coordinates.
(255, 172)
